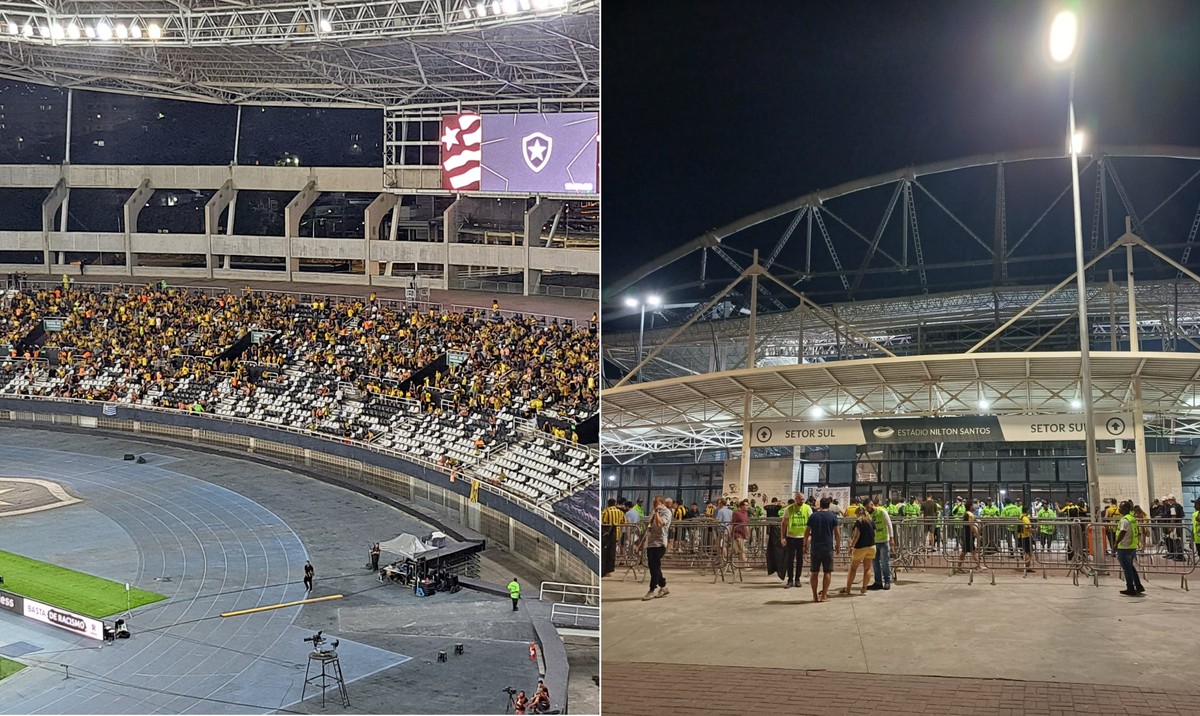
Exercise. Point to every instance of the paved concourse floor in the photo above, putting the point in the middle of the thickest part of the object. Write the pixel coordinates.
(934, 643)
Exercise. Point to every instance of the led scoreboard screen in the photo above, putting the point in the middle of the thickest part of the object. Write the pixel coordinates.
(521, 153)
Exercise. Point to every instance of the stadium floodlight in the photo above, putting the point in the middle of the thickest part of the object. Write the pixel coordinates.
(44, 31)
(325, 25)
(153, 31)
(104, 31)
(122, 31)
(12, 28)
(481, 10)
(466, 13)
(984, 404)
(58, 31)
(632, 302)
(1076, 404)
(135, 31)
(1077, 143)
(510, 7)
(653, 301)
(497, 8)
(1064, 31)
(73, 31)
(90, 32)
(817, 411)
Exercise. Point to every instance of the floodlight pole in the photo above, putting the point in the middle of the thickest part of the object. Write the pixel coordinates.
(1085, 360)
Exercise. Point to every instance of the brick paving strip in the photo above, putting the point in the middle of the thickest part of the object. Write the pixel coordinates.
(653, 689)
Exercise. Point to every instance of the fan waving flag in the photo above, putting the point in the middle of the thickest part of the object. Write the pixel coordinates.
(462, 138)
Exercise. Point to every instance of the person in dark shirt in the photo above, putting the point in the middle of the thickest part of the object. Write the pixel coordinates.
(309, 572)
(823, 544)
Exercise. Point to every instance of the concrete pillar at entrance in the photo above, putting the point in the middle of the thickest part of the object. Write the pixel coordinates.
(291, 220)
(50, 206)
(372, 222)
(747, 428)
(133, 207)
(221, 199)
(535, 219)
(1140, 459)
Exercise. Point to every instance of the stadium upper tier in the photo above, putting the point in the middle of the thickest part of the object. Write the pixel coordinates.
(361, 53)
(477, 393)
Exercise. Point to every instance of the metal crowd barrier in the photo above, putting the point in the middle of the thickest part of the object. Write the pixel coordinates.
(1077, 547)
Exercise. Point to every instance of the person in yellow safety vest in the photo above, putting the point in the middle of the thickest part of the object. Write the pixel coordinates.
(911, 510)
(794, 529)
(1045, 529)
(514, 592)
(1196, 526)
(1011, 511)
(892, 508)
(1127, 546)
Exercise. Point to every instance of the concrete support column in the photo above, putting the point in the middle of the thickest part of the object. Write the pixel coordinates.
(222, 199)
(130, 211)
(1140, 459)
(50, 206)
(291, 221)
(450, 232)
(372, 222)
(744, 482)
(544, 210)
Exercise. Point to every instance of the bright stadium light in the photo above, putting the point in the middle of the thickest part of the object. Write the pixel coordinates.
(153, 31)
(466, 13)
(631, 302)
(44, 30)
(122, 31)
(73, 31)
(510, 7)
(653, 301)
(135, 31)
(1063, 34)
(1077, 143)
(104, 30)
(984, 404)
(481, 10)
(1076, 404)
(12, 28)
(816, 411)
(325, 25)
(58, 31)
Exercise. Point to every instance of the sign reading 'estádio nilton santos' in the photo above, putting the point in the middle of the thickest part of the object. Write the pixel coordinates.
(972, 428)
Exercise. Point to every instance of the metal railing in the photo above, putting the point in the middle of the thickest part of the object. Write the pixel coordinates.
(578, 616)
(567, 592)
(1073, 547)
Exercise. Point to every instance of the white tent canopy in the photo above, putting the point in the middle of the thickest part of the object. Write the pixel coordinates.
(405, 546)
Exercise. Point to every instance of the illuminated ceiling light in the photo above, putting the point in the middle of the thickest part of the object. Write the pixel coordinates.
(122, 31)
(1077, 143)
(44, 30)
(466, 13)
(653, 301)
(816, 411)
(90, 32)
(135, 31)
(153, 31)
(984, 404)
(497, 8)
(325, 25)
(104, 30)
(481, 10)
(631, 302)
(27, 31)
(58, 31)
(73, 31)
(1076, 403)
(510, 6)
(12, 28)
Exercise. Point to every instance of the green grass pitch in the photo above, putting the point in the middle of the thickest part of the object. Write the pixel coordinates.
(74, 591)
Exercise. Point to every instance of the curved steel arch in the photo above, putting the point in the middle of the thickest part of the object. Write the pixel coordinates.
(716, 238)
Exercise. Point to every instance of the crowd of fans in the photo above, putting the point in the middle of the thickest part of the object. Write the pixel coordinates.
(363, 360)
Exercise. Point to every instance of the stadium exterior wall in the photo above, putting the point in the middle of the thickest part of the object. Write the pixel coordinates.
(524, 533)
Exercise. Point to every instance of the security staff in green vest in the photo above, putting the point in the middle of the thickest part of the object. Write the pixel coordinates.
(1127, 548)
(911, 510)
(1045, 530)
(884, 539)
(1011, 511)
(794, 528)
(514, 592)
(991, 539)
(1196, 526)
(892, 508)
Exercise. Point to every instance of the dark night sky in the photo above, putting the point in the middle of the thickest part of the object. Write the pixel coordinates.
(713, 110)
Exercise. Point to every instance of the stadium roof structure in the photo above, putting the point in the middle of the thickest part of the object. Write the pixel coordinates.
(760, 345)
(374, 53)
